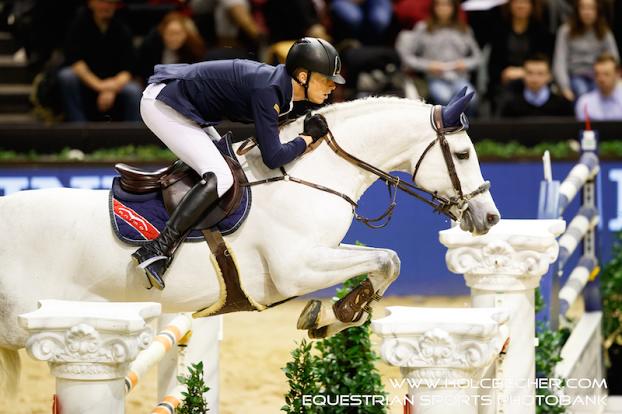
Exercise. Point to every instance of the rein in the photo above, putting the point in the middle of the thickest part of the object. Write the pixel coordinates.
(438, 203)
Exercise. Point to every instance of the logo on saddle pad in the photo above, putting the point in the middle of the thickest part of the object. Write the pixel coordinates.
(135, 220)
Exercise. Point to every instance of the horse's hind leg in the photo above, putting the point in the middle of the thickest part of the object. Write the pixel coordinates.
(329, 266)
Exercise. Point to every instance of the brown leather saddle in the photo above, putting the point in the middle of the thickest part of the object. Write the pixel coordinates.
(175, 180)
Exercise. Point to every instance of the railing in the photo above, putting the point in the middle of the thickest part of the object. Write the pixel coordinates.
(582, 353)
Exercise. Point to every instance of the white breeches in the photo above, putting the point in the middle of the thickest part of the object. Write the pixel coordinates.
(185, 138)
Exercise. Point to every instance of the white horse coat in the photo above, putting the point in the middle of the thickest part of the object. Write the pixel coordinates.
(59, 244)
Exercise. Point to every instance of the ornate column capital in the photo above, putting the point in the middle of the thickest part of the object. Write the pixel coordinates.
(448, 344)
(88, 340)
(512, 256)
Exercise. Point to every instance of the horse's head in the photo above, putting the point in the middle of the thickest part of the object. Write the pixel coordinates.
(447, 167)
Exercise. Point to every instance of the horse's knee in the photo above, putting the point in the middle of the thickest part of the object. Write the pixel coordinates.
(391, 264)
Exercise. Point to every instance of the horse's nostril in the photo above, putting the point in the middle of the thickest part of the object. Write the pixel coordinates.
(492, 219)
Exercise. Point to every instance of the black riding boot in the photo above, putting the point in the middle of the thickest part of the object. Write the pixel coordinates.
(156, 255)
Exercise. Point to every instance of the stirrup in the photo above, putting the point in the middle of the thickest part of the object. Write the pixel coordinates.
(154, 281)
(143, 265)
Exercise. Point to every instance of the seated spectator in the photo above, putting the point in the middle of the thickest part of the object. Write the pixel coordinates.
(519, 34)
(364, 20)
(288, 20)
(579, 42)
(410, 12)
(605, 102)
(98, 84)
(443, 48)
(175, 40)
(228, 27)
(532, 95)
(40, 27)
(235, 26)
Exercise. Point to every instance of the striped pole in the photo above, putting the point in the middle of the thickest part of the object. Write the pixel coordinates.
(170, 402)
(586, 219)
(586, 169)
(585, 270)
(161, 344)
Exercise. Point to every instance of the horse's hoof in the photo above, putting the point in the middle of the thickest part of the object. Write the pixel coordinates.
(319, 333)
(309, 317)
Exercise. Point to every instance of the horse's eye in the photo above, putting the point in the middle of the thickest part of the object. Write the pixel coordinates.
(464, 155)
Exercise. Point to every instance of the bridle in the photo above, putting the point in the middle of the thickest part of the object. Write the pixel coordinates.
(439, 204)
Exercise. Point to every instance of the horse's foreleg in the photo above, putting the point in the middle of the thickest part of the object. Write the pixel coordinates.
(380, 281)
(329, 266)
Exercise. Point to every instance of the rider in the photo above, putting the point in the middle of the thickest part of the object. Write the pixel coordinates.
(182, 99)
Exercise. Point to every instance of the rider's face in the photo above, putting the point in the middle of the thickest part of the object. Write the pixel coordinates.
(319, 88)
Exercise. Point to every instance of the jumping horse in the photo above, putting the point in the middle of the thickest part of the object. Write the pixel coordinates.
(58, 243)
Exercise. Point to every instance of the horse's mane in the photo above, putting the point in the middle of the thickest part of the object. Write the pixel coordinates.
(358, 104)
(371, 100)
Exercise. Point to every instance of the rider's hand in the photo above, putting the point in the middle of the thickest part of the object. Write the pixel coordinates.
(315, 126)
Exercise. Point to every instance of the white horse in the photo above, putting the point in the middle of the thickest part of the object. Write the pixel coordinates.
(58, 243)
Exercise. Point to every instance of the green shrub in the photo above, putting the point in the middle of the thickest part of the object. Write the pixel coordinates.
(341, 365)
(548, 354)
(194, 400)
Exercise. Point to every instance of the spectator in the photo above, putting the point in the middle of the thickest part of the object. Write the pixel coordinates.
(288, 20)
(443, 48)
(605, 102)
(532, 95)
(520, 33)
(40, 27)
(364, 20)
(579, 42)
(100, 56)
(229, 28)
(235, 26)
(175, 40)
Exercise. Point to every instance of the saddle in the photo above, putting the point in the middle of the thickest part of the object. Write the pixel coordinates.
(174, 182)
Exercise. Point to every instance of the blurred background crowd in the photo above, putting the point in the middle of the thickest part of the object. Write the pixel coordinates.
(525, 58)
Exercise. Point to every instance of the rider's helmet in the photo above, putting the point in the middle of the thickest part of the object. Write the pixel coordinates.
(314, 55)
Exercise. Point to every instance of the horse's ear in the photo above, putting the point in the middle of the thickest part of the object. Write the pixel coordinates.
(458, 95)
(451, 112)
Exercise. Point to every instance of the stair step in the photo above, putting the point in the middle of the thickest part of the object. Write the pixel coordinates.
(8, 45)
(15, 98)
(14, 72)
(18, 118)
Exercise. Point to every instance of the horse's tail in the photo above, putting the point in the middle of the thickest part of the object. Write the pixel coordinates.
(10, 368)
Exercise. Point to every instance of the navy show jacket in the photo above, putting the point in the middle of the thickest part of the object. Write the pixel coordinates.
(239, 90)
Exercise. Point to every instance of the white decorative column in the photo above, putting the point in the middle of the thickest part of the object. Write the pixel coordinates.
(89, 346)
(442, 353)
(503, 268)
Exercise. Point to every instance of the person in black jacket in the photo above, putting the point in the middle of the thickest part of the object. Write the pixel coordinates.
(183, 99)
(100, 57)
(175, 40)
(517, 35)
(533, 95)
